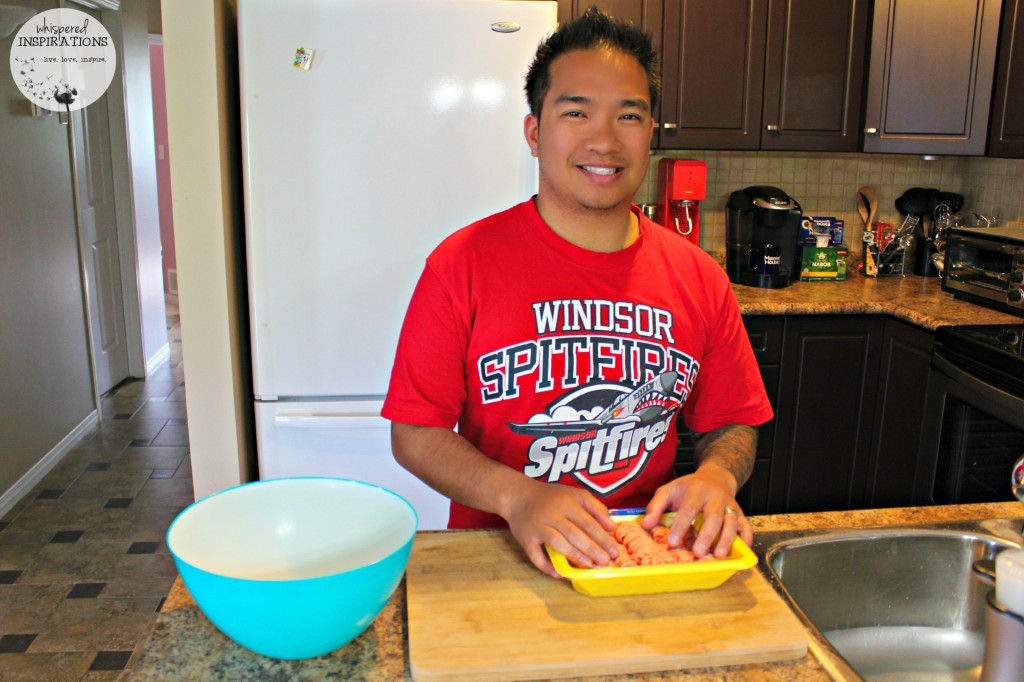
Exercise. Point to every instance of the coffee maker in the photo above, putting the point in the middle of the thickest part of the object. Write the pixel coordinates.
(762, 227)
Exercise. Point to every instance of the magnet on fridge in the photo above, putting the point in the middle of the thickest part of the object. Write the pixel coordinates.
(303, 58)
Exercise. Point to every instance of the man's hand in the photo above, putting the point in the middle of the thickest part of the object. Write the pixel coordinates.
(726, 457)
(569, 520)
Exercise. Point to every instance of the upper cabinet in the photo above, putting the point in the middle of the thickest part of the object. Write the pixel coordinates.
(763, 74)
(753, 74)
(1006, 130)
(712, 74)
(814, 74)
(906, 77)
(930, 80)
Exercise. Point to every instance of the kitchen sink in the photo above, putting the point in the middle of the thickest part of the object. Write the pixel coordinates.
(896, 603)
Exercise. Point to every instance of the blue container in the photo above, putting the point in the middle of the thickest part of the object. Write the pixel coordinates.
(293, 568)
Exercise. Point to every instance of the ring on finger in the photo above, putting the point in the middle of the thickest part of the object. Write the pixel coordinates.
(729, 511)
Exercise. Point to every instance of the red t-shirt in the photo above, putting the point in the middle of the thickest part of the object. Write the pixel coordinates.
(571, 365)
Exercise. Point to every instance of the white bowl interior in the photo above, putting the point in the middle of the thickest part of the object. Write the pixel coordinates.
(289, 529)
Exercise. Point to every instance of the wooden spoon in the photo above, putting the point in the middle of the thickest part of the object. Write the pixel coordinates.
(869, 197)
(863, 209)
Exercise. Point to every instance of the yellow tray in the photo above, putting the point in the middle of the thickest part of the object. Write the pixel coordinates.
(614, 582)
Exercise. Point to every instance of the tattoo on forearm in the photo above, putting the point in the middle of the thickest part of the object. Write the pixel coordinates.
(732, 447)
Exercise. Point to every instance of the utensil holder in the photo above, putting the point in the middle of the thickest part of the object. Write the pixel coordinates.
(888, 264)
(1004, 643)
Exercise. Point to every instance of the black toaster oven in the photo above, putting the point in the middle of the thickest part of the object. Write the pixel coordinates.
(986, 265)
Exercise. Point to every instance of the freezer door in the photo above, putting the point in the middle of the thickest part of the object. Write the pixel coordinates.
(344, 440)
(407, 125)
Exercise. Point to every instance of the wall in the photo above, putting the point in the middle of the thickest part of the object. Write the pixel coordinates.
(45, 385)
(203, 124)
(825, 184)
(45, 382)
(163, 166)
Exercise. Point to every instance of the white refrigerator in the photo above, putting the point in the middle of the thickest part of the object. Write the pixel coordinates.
(372, 129)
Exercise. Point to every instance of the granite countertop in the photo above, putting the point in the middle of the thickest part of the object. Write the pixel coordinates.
(917, 300)
(183, 644)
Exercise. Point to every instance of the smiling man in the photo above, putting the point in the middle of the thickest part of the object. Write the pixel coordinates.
(593, 146)
(564, 336)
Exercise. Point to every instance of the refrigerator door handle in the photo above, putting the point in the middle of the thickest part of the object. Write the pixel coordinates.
(320, 420)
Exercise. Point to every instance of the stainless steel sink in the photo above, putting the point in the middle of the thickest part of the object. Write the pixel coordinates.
(897, 603)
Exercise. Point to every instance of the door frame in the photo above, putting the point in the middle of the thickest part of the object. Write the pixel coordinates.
(120, 155)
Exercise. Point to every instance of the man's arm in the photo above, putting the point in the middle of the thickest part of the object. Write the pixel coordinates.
(730, 447)
(570, 520)
(725, 459)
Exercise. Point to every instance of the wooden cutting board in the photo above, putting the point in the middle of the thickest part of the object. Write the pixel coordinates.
(478, 610)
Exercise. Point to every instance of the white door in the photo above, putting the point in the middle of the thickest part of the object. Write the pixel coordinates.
(99, 243)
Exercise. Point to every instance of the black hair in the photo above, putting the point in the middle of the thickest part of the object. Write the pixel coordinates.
(593, 29)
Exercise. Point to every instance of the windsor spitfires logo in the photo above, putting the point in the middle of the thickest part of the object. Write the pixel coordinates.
(601, 434)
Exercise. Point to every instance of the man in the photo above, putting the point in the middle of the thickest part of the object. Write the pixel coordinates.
(563, 336)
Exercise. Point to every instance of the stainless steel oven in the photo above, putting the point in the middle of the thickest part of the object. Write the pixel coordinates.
(973, 429)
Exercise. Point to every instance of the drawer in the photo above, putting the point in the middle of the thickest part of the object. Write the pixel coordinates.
(765, 334)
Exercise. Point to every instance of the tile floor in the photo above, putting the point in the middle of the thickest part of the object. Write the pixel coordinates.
(83, 563)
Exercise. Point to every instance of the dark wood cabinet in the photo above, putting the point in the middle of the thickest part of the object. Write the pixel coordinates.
(848, 393)
(765, 335)
(753, 74)
(814, 75)
(712, 74)
(930, 80)
(763, 74)
(823, 424)
(899, 414)
(1006, 127)
(851, 403)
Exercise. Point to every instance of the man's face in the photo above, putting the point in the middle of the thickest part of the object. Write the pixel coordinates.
(593, 138)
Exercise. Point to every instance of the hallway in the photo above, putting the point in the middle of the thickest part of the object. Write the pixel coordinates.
(83, 562)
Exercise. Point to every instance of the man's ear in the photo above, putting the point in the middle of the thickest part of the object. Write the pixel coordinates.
(531, 128)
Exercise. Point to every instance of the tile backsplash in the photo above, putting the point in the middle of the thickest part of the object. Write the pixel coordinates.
(825, 184)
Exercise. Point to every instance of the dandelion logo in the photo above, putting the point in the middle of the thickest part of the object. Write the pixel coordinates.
(63, 59)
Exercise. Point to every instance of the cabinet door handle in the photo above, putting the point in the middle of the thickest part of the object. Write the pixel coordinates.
(669, 126)
(871, 131)
(773, 128)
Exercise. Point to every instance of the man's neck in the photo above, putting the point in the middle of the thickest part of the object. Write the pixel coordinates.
(602, 231)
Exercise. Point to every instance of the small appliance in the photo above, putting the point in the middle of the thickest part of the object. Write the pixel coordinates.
(985, 265)
(762, 228)
(682, 185)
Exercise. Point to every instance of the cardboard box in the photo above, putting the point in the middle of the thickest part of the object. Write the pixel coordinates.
(835, 227)
(824, 264)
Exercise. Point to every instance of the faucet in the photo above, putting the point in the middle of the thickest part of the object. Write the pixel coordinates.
(984, 220)
(985, 569)
(1004, 629)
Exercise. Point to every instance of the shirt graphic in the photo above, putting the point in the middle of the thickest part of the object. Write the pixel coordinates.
(619, 380)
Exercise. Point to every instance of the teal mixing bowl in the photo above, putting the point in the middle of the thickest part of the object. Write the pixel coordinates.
(295, 567)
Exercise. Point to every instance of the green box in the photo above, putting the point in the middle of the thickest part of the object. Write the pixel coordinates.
(824, 264)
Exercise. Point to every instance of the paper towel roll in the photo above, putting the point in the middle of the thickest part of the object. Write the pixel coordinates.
(1010, 580)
